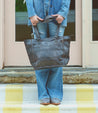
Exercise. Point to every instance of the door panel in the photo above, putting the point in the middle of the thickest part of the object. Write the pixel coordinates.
(90, 35)
(15, 53)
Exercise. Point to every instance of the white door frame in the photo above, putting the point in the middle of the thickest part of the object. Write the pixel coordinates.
(89, 47)
(1, 34)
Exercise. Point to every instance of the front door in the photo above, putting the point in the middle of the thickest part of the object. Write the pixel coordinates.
(16, 30)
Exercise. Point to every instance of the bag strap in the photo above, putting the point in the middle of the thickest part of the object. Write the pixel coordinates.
(46, 20)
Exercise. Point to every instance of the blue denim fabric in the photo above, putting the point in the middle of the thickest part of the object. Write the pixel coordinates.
(49, 81)
(37, 7)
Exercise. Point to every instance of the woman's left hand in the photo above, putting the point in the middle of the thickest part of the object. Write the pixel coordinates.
(59, 18)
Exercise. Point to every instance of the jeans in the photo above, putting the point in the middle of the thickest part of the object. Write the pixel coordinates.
(49, 81)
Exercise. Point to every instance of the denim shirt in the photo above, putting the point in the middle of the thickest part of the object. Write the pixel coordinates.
(46, 7)
(37, 7)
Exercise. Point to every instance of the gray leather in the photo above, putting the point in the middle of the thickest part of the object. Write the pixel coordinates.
(48, 52)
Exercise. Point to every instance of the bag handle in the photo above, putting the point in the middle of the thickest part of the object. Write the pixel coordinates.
(46, 20)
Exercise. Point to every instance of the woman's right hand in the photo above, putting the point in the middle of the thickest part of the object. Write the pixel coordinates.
(35, 19)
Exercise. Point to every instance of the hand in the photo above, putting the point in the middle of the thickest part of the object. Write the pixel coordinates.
(59, 18)
(35, 19)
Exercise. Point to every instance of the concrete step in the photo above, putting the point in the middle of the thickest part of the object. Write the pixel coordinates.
(28, 93)
(71, 75)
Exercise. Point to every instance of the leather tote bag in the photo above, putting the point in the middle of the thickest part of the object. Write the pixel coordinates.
(48, 52)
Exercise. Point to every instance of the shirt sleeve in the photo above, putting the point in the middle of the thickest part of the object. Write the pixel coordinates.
(64, 8)
(30, 8)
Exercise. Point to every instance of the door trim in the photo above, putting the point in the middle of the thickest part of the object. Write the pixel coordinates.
(86, 30)
(88, 56)
(1, 34)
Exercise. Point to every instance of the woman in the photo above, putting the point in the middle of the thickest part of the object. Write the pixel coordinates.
(49, 81)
